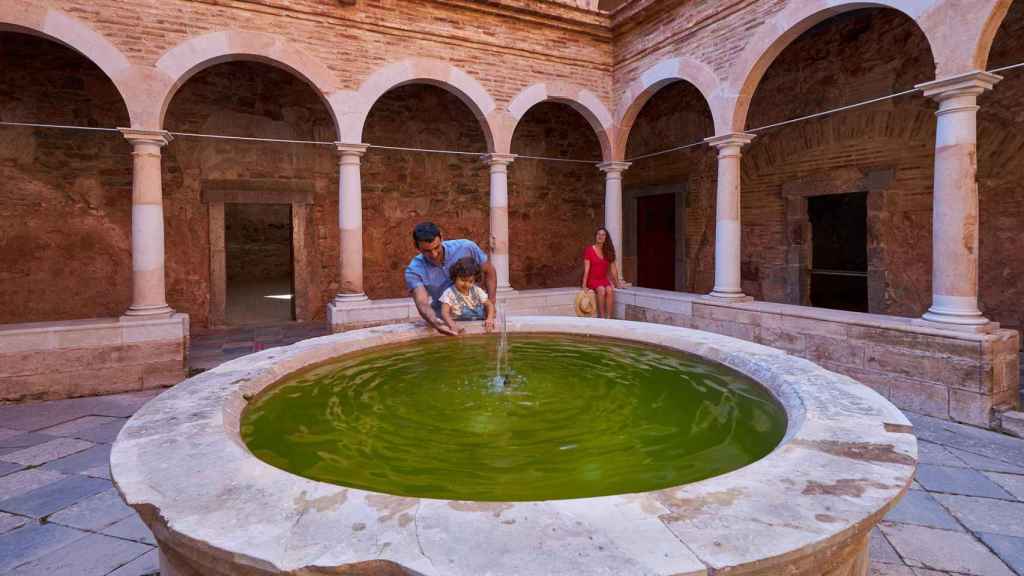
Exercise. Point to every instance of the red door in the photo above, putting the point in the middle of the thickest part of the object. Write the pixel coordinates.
(656, 241)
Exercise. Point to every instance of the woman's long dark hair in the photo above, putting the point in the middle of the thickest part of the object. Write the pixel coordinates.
(607, 249)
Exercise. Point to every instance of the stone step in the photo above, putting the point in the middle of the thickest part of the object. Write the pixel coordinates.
(1012, 422)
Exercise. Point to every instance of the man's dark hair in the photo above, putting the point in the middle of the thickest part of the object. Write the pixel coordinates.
(465, 268)
(425, 232)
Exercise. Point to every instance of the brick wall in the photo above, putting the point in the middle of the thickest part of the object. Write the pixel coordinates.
(65, 196)
(554, 207)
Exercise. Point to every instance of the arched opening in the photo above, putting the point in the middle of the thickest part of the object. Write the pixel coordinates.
(65, 201)
(402, 188)
(554, 207)
(251, 227)
(1000, 173)
(669, 199)
(837, 209)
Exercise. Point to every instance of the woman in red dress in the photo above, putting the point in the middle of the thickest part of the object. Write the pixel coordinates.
(598, 261)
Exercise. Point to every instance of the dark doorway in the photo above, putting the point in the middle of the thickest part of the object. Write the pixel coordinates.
(839, 271)
(258, 258)
(656, 241)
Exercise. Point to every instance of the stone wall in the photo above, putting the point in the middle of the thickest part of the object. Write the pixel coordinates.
(554, 207)
(251, 100)
(65, 196)
(677, 115)
(51, 360)
(403, 188)
(258, 241)
(948, 374)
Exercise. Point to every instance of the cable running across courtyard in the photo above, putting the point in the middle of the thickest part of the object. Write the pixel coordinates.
(821, 114)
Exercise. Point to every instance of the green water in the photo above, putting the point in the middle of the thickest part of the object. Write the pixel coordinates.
(577, 417)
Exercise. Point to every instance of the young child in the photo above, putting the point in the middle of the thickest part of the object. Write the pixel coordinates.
(464, 300)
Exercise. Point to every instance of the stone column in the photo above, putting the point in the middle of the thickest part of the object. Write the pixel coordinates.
(613, 203)
(955, 199)
(727, 215)
(350, 222)
(499, 216)
(149, 294)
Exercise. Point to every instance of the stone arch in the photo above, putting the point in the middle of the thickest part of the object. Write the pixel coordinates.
(579, 99)
(183, 61)
(59, 27)
(354, 107)
(989, 32)
(798, 17)
(657, 77)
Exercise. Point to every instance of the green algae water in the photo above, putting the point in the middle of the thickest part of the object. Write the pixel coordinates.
(575, 417)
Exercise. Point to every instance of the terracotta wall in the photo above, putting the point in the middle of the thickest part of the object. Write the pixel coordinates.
(65, 196)
(554, 207)
(1001, 179)
(252, 100)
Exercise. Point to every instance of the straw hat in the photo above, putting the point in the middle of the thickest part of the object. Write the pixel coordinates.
(585, 305)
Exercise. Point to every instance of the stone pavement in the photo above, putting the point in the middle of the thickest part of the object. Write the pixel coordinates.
(60, 515)
(212, 347)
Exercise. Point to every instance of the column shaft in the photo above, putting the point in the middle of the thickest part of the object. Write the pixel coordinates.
(149, 295)
(499, 256)
(350, 223)
(955, 200)
(728, 283)
(613, 203)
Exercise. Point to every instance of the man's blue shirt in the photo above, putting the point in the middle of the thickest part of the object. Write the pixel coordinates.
(422, 272)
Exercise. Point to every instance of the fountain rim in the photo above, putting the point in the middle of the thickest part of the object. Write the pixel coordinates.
(837, 428)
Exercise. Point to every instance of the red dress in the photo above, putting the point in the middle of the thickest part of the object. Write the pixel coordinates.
(598, 268)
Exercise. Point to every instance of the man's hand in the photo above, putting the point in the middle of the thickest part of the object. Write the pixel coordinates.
(446, 330)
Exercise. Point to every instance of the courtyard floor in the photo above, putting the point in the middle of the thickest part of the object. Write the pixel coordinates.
(60, 515)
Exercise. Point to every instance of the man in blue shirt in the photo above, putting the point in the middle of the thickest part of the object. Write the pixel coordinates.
(427, 275)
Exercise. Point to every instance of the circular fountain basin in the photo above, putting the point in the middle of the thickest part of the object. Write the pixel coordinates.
(806, 508)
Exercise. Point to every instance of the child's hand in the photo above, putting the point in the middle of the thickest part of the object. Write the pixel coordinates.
(489, 324)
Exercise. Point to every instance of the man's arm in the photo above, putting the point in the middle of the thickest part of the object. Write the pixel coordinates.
(422, 300)
(490, 280)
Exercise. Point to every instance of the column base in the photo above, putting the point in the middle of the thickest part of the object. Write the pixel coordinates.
(505, 290)
(979, 324)
(730, 296)
(144, 312)
(342, 299)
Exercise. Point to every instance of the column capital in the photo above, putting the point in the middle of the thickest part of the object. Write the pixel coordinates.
(970, 84)
(346, 149)
(723, 141)
(614, 166)
(498, 159)
(138, 136)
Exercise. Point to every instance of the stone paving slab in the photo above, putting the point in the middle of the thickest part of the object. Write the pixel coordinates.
(9, 522)
(34, 541)
(104, 433)
(25, 481)
(97, 455)
(929, 453)
(146, 565)
(987, 464)
(1012, 483)
(131, 528)
(99, 471)
(981, 442)
(56, 496)
(92, 555)
(94, 513)
(919, 508)
(72, 428)
(881, 551)
(943, 550)
(22, 440)
(985, 514)
(963, 481)
(1009, 548)
(8, 467)
(42, 453)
